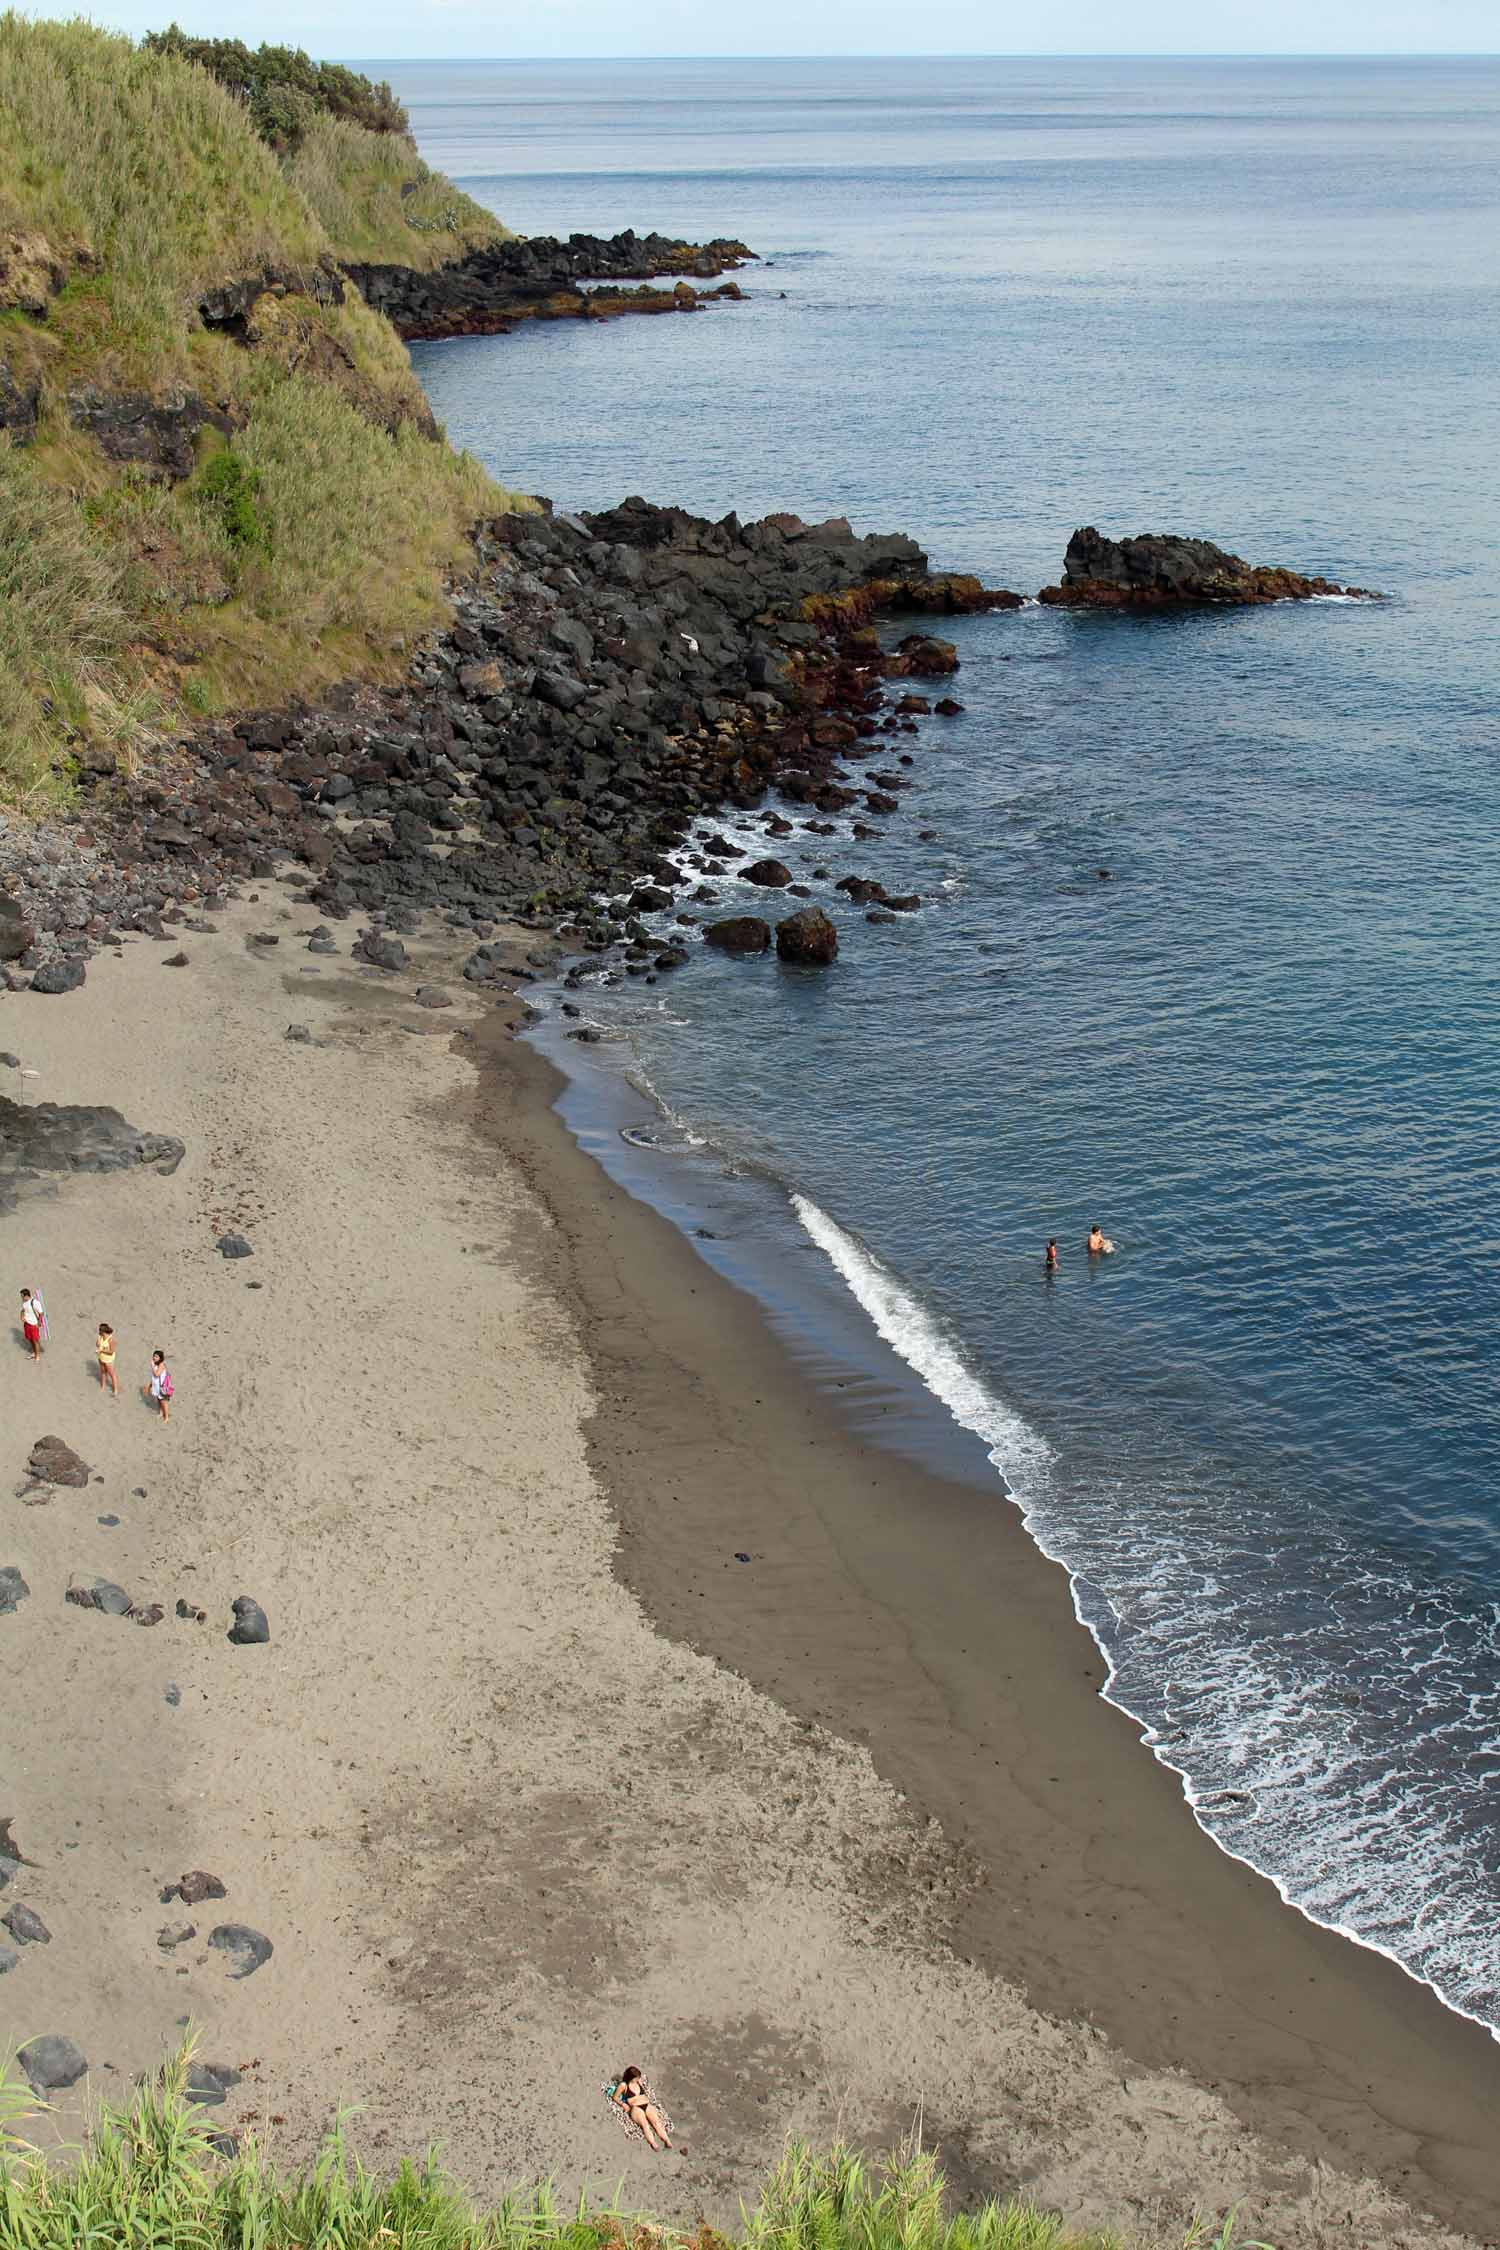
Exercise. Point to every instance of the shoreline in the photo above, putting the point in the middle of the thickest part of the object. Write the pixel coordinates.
(876, 1389)
(1221, 1967)
(500, 1827)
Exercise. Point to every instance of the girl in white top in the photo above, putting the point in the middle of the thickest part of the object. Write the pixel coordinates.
(160, 1386)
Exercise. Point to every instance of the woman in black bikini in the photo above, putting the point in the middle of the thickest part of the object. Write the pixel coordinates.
(634, 2097)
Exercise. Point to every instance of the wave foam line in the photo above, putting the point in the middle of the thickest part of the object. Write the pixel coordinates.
(917, 1338)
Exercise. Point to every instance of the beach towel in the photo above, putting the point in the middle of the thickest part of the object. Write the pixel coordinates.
(622, 2116)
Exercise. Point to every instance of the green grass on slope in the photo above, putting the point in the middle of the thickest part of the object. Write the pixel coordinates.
(322, 545)
(148, 2180)
(380, 204)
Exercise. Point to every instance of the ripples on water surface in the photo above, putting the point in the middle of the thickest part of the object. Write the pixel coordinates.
(1257, 301)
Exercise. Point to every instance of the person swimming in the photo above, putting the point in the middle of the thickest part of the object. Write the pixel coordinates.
(1099, 1244)
(1049, 1256)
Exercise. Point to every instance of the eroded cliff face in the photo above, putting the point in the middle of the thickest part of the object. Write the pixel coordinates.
(1158, 570)
(500, 284)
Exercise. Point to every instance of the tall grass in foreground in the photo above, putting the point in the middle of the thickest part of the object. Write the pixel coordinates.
(149, 2180)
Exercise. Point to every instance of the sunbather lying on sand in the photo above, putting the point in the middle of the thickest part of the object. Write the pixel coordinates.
(631, 2093)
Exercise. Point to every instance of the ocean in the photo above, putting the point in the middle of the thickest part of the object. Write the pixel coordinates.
(1255, 300)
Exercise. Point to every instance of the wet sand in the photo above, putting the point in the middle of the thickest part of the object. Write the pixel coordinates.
(912, 1613)
(510, 1821)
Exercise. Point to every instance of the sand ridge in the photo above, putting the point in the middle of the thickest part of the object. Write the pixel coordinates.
(503, 1835)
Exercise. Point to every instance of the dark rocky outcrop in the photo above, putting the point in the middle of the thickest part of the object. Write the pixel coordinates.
(500, 284)
(45, 1137)
(155, 433)
(20, 404)
(13, 1590)
(26, 1926)
(609, 687)
(809, 938)
(1158, 570)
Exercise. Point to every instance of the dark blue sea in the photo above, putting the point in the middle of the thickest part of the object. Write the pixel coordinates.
(1256, 300)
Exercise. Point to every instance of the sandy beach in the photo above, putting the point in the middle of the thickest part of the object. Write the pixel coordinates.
(531, 1780)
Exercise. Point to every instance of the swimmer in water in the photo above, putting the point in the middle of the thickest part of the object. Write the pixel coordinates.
(1099, 1244)
(1049, 1259)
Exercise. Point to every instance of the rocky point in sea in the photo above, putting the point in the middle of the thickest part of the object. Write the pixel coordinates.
(1161, 570)
(607, 681)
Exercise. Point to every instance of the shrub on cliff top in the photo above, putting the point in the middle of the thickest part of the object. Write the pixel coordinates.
(283, 88)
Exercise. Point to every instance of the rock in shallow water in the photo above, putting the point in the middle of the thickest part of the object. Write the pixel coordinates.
(1159, 570)
(740, 933)
(808, 939)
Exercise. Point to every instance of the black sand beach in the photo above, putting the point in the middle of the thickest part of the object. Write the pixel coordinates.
(912, 1612)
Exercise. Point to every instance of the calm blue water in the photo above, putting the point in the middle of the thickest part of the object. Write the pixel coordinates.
(1259, 301)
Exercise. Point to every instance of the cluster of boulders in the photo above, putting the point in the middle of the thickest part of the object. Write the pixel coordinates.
(607, 682)
(498, 284)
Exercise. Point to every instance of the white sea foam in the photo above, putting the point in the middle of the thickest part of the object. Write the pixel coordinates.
(916, 1337)
(1251, 1708)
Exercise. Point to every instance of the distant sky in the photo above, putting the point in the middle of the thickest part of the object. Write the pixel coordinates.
(561, 28)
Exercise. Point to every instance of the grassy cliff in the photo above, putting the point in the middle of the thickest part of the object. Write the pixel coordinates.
(219, 480)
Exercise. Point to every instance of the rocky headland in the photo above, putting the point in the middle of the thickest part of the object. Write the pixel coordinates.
(496, 286)
(1160, 570)
(607, 682)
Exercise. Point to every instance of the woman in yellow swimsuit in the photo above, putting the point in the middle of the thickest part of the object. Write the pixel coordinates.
(106, 1351)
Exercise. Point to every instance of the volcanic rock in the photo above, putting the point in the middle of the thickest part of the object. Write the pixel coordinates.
(195, 1886)
(52, 1462)
(250, 1626)
(770, 874)
(1158, 570)
(248, 1949)
(809, 938)
(52, 2062)
(740, 933)
(102, 1595)
(382, 950)
(53, 1137)
(13, 1590)
(59, 976)
(26, 1926)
